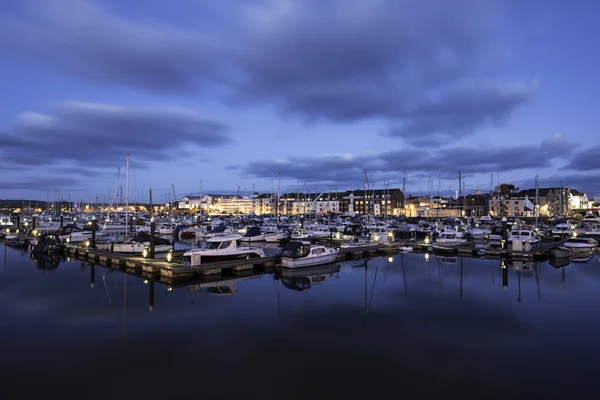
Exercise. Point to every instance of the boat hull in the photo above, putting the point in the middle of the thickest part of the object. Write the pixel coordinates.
(198, 259)
(580, 249)
(309, 261)
(561, 252)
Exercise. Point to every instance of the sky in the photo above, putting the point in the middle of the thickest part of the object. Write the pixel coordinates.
(225, 95)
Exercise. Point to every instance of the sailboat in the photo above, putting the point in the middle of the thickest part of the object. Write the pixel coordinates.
(141, 241)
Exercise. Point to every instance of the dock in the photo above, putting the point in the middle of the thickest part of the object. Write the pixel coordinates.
(163, 268)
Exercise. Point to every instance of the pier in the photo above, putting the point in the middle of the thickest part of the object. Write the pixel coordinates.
(175, 270)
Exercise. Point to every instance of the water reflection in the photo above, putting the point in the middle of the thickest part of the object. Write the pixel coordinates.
(434, 320)
(46, 262)
(305, 278)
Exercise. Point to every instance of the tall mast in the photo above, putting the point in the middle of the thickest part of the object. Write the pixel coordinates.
(537, 200)
(127, 194)
(462, 204)
(404, 190)
(366, 188)
(278, 190)
(200, 202)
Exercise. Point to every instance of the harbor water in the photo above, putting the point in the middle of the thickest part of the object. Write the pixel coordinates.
(410, 324)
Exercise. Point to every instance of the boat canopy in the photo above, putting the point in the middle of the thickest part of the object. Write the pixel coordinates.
(252, 231)
(295, 250)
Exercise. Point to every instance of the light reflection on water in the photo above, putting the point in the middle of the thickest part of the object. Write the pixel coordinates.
(429, 324)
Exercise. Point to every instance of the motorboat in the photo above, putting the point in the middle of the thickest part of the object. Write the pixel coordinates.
(136, 244)
(580, 245)
(447, 241)
(223, 248)
(561, 252)
(73, 234)
(480, 232)
(48, 243)
(253, 234)
(563, 229)
(524, 235)
(297, 254)
(277, 237)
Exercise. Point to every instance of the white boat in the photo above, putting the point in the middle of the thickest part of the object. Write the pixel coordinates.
(524, 235)
(447, 241)
(73, 234)
(405, 249)
(300, 234)
(253, 234)
(564, 229)
(276, 237)
(479, 233)
(223, 248)
(580, 245)
(297, 254)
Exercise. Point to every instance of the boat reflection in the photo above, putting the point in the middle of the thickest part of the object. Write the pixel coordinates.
(46, 262)
(304, 278)
(223, 287)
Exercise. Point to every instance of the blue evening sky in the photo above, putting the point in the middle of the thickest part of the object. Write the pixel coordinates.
(233, 92)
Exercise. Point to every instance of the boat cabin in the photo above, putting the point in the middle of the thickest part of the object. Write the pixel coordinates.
(297, 249)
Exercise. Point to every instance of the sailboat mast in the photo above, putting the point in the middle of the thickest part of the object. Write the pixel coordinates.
(462, 204)
(278, 191)
(537, 200)
(404, 190)
(127, 194)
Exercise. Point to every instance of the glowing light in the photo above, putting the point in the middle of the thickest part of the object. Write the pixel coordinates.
(145, 281)
(427, 257)
(426, 240)
(170, 256)
(169, 289)
(390, 259)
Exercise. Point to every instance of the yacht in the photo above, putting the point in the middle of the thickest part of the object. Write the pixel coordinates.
(447, 241)
(253, 234)
(580, 245)
(296, 254)
(223, 248)
(524, 235)
(563, 229)
(73, 234)
(277, 237)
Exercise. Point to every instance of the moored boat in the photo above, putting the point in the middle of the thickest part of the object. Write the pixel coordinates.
(561, 252)
(223, 248)
(580, 245)
(297, 254)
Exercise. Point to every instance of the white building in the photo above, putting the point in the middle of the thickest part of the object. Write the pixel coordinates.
(264, 203)
(577, 200)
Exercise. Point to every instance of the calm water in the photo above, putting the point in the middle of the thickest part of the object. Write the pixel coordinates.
(402, 326)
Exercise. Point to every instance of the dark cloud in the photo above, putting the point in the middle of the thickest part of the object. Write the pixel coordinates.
(417, 66)
(587, 183)
(419, 163)
(458, 113)
(81, 137)
(43, 183)
(586, 160)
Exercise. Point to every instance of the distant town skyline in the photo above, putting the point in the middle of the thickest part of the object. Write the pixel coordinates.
(233, 93)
